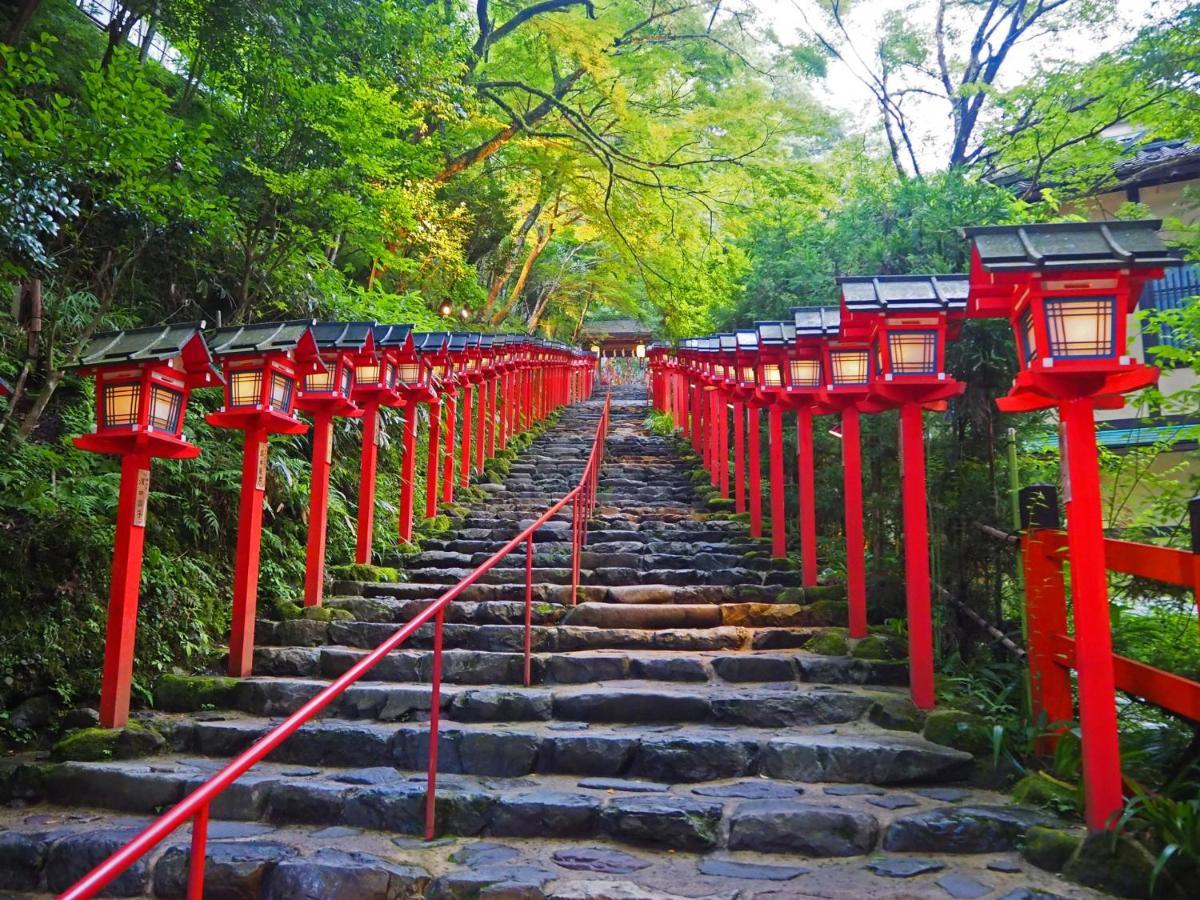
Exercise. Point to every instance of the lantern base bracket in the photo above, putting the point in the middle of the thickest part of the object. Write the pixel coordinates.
(150, 443)
(1034, 390)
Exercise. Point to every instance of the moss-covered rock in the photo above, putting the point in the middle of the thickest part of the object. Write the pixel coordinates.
(879, 647)
(827, 612)
(1122, 867)
(960, 730)
(787, 595)
(96, 744)
(819, 592)
(719, 503)
(830, 642)
(364, 572)
(325, 614)
(896, 713)
(1049, 848)
(190, 693)
(1046, 791)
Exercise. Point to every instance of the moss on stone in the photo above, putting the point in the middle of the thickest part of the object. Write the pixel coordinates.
(829, 642)
(1049, 848)
(325, 614)
(896, 713)
(818, 592)
(363, 572)
(960, 730)
(787, 595)
(877, 646)
(190, 693)
(827, 612)
(1046, 791)
(724, 504)
(1122, 867)
(97, 744)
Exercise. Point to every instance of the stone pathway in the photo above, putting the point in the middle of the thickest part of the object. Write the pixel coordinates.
(678, 741)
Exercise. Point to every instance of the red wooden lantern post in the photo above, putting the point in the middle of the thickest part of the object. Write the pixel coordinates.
(774, 343)
(909, 318)
(142, 382)
(261, 365)
(1067, 290)
(485, 374)
(413, 385)
(375, 386)
(456, 346)
(467, 377)
(726, 388)
(432, 347)
(803, 383)
(503, 346)
(846, 370)
(748, 366)
(324, 396)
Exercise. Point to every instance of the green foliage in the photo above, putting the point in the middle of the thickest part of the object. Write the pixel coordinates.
(1172, 827)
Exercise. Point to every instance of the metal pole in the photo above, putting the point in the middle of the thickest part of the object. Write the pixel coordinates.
(435, 715)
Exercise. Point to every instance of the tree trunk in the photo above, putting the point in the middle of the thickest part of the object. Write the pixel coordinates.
(20, 21)
(510, 264)
(544, 235)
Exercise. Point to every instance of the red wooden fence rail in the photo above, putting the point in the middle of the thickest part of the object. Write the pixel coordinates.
(1053, 651)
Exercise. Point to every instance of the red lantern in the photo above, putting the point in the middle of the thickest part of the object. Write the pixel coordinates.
(1067, 290)
(142, 382)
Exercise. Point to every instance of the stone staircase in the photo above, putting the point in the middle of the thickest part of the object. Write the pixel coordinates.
(697, 726)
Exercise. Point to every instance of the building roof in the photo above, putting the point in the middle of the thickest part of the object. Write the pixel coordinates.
(261, 337)
(620, 329)
(903, 293)
(817, 321)
(1070, 245)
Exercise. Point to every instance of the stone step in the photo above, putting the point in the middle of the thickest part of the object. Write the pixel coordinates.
(619, 701)
(315, 815)
(649, 660)
(500, 638)
(849, 753)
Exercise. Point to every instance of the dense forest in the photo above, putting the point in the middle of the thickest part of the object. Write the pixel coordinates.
(529, 166)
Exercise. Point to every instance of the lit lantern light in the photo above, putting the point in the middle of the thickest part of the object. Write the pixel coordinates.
(261, 364)
(142, 379)
(344, 346)
(640, 351)
(464, 314)
(445, 309)
(908, 319)
(1067, 290)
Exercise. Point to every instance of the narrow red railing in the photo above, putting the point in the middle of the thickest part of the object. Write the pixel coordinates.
(196, 805)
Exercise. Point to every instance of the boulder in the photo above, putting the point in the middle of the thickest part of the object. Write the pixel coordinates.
(817, 830)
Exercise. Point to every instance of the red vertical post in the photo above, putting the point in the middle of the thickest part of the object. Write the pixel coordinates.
(1093, 635)
(775, 454)
(435, 716)
(1046, 618)
(491, 417)
(121, 629)
(366, 484)
(739, 456)
(714, 440)
(464, 474)
(856, 564)
(681, 410)
(434, 461)
(318, 509)
(448, 472)
(807, 490)
(245, 568)
(504, 407)
(481, 404)
(723, 443)
(916, 556)
(755, 464)
(408, 471)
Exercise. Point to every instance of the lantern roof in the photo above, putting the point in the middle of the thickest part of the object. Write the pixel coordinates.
(156, 344)
(265, 337)
(486, 341)
(1070, 245)
(727, 342)
(905, 293)
(816, 321)
(472, 340)
(392, 336)
(775, 334)
(430, 341)
(747, 339)
(456, 342)
(354, 336)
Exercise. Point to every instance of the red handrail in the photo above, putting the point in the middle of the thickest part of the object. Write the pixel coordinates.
(195, 806)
